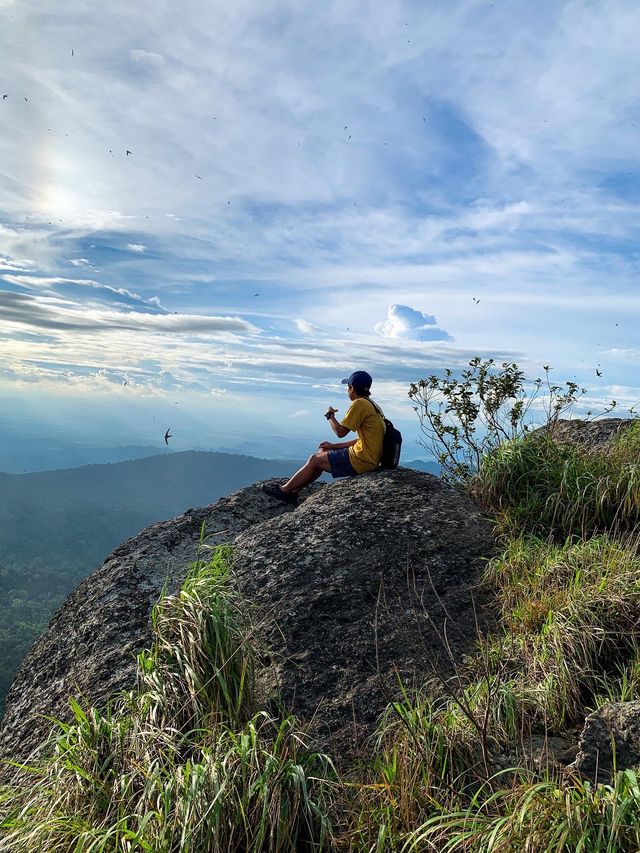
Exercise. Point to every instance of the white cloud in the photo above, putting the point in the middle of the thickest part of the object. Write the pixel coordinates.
(15, 264)
(631, 353)
(94, 290)
(147, 57)
(409, 324)
(80, 262)
(306, 327)
(51, 313)
(136, 247)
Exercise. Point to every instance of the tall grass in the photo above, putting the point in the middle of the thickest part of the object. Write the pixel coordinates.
(181, 763)
(422, 763)
(569, 613)
(539, 816)
(536, 485)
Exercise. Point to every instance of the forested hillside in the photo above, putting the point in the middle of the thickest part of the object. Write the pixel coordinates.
(57, 526)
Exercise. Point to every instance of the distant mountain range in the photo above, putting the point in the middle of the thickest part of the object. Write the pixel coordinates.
(426, 465)
(29, 456)
(100, 505)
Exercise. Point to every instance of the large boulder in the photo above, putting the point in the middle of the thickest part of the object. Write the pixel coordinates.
(360, 588)
(610, 740)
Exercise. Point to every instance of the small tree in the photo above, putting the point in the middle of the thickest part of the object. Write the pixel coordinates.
(465, 418)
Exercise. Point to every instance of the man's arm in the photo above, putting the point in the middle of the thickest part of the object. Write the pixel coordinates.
(340, 430)
(337, 445)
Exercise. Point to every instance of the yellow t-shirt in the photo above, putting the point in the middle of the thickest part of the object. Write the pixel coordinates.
(363, 418)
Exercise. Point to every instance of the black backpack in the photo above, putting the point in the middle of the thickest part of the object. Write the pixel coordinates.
(391, 442)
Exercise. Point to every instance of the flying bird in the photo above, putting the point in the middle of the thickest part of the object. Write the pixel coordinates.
(124, 383)
(4, 96)
(167, 436)
(129, 152)
(71, 51)
(475, 300)
(199, 178)
(598, 372)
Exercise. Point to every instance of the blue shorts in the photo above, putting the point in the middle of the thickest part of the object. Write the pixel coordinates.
(339, 463)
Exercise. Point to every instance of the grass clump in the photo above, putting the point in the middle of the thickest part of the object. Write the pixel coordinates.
(423, 761)
(539, 486)
(539, 816)
(570, 612)
(183, 762)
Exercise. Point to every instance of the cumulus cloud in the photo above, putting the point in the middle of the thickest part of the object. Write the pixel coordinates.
(620, 352)
(136, 247)
(409, 324)
(84, 263)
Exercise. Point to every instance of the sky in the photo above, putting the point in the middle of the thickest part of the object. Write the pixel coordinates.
(212, 212)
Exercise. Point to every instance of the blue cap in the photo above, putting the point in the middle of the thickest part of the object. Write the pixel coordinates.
(359, 379)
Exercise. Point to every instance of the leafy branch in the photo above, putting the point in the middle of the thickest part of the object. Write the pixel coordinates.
(465, 418)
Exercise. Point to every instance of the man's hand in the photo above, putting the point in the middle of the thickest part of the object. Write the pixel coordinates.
(330, 411)
(326, 445)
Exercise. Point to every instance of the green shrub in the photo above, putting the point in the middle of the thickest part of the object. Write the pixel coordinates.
(466, 418)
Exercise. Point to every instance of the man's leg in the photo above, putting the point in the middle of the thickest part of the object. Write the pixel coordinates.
(310, 471)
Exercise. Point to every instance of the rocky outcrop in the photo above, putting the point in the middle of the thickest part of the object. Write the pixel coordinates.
(591, 435)
(352, 591)
(610, 740)
(364, 577)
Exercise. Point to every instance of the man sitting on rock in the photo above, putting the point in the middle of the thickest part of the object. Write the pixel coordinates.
(346, 458)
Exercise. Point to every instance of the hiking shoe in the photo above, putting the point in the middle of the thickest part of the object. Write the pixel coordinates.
(274, 491)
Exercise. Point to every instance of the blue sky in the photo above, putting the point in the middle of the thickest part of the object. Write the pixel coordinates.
(312, 188)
